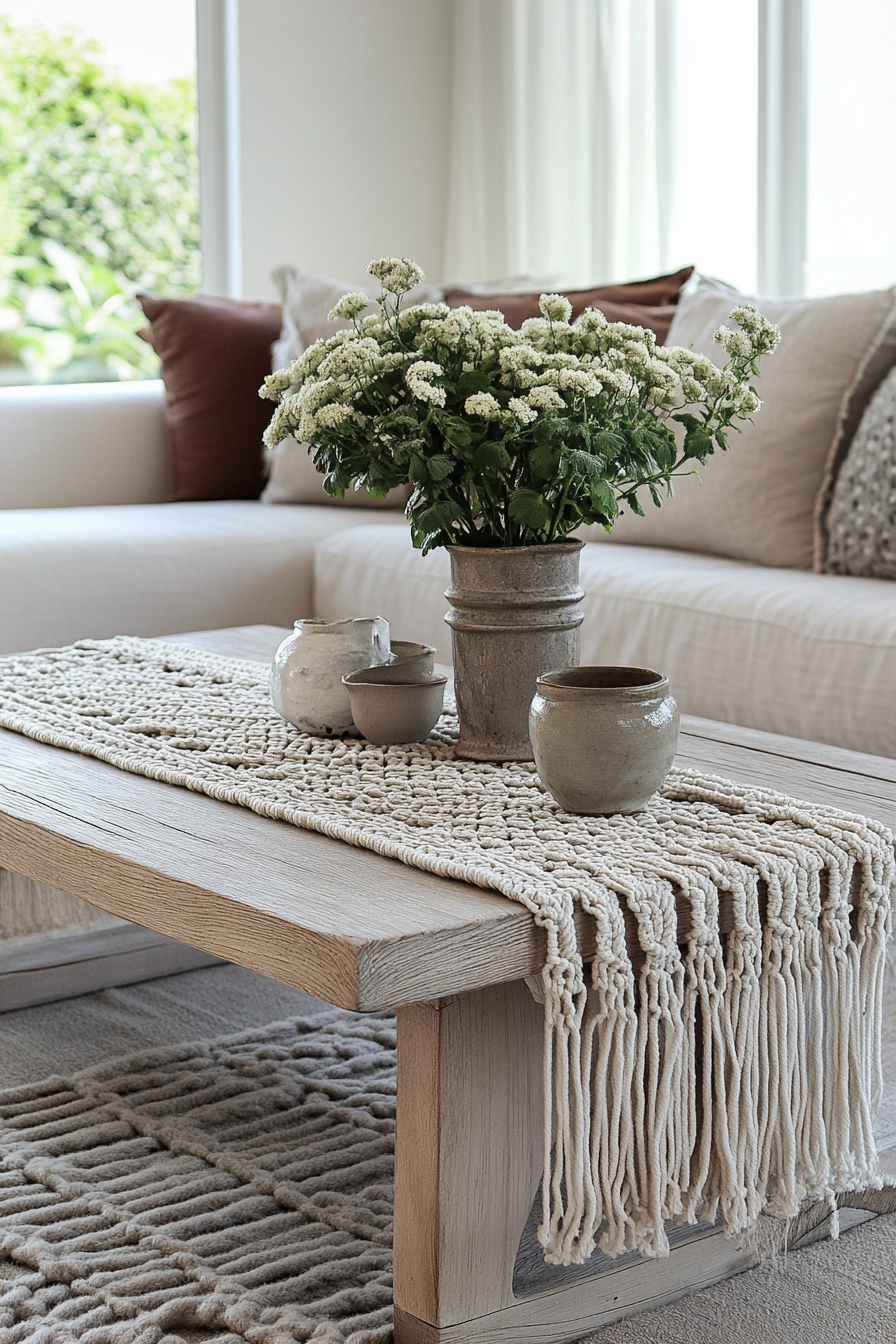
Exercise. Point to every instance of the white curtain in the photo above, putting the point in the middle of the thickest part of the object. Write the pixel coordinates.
(561, 141)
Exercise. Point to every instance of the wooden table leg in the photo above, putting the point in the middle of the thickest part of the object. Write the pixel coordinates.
(468, 1165)
(468, 1150)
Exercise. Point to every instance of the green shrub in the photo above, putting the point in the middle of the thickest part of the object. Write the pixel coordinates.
(98, 198)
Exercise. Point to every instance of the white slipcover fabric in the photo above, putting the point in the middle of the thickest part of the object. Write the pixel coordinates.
(809, 655)
(156, 569)
(84, 443)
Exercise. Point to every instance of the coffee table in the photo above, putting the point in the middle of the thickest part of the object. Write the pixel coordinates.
(365, 932)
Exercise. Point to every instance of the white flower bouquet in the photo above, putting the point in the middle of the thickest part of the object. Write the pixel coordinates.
(509, 438)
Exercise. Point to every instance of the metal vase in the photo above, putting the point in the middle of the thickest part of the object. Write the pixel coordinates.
(514, 615)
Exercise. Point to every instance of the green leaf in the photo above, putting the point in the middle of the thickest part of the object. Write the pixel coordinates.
(698, 443)
(632, 502)
(584, 465)
(439, 466)
(655, 496)
(528, 507)
(604, 500)
(547, 431)
(475, 380)
(457, 431)
(332, 485)
(607, 444)
(544, 461)
(721, 440)
(439, 516)
(491, 456)
(577, 433)
(663, 448)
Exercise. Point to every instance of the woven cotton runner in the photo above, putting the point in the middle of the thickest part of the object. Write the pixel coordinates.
(236, 1191)
(735, 1074)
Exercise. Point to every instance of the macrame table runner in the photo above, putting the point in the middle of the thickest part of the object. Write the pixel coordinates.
(734, 1075)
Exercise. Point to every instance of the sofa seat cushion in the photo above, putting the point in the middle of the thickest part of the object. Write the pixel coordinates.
(809, 655)
(155, 569)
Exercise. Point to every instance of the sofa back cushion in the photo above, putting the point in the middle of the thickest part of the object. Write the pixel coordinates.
(292, 477)
(643, 303)
(215, 355)
(760, 501)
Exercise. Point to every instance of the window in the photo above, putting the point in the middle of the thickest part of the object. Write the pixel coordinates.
(99, 193)
(851, 177)
(785, 143)
(715, 84)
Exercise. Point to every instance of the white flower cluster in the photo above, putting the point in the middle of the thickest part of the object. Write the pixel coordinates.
(757, 337)
(417, 378)
(396, 274)
(592, 369)
(484, 404)
(349, 306)
(555, 307)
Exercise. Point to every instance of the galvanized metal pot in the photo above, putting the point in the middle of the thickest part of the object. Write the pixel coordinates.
(514, 615)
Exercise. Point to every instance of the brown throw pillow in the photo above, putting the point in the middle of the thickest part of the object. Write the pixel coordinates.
(643, 303)
(215, 355)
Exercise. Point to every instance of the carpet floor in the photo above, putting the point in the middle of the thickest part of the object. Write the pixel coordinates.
(223, 1189)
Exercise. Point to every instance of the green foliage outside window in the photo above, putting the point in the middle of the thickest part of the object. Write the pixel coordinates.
(99, 198)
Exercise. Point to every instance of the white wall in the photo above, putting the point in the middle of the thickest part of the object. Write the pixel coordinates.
(343, 135)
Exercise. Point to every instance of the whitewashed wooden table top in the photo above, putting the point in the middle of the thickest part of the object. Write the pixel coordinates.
(347, 925)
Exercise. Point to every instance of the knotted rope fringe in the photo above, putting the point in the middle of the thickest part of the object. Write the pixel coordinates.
(735, 1075)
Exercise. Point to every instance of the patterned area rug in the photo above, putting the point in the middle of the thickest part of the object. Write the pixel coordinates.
(239, 1191)
(227, 1191)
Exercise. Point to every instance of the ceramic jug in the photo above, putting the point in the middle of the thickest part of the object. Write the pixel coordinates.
(306, 676)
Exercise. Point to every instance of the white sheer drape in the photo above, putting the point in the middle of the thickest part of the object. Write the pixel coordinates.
(562, 139)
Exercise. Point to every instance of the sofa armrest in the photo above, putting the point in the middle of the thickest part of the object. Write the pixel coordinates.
(83, 443)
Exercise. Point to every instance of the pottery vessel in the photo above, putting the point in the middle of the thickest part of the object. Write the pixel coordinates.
(604, 738)
(306, 676)
(388, 711)
(410, 662)
(514, 615)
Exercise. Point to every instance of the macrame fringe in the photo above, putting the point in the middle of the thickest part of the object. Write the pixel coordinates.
(737, 1076)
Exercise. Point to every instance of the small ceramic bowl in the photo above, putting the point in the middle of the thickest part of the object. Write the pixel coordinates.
(413, 662)
(388, 712)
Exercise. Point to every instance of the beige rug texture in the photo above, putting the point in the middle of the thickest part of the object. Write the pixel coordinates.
(836, 1291)
(241, 1188)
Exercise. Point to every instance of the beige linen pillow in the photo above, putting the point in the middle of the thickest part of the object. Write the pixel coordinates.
(294, 479)
(307, 301)
(762, 500)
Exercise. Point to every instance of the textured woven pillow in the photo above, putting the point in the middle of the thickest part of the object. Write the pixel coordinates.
(762, 500)
(861, 522)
